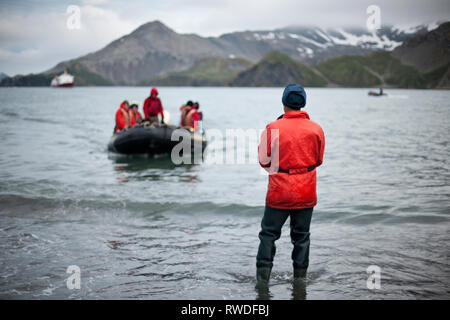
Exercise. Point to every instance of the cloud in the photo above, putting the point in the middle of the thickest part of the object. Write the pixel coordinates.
(42, 26)
(94, 2)
(46, 34)
(232, 15)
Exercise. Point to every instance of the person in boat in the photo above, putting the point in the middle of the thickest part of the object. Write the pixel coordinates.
(153, 107)
(197, 117)
(193, 117)
(381, 91)
(184, 109)
(291, 148)
(123, 117)
(136, 115)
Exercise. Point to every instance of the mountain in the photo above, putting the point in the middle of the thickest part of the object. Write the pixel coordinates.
(149, 51)
(312, 45)
(3, 75)
(377, 69)
(211, 71)
(426, 51)
(422, 61)
(277, 70)
(153, 50)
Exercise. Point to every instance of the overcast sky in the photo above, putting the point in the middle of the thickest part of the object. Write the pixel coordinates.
(34, 35)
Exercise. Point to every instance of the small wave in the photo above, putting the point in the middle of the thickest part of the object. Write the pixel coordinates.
(19, 205)
(365, 217)
(23, 205)
(11, 114)
(41, 120)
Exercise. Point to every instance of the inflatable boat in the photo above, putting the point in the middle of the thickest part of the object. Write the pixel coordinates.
(377, 94)
(154, 139)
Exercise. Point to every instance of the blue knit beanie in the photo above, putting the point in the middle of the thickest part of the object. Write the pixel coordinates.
(294, 96)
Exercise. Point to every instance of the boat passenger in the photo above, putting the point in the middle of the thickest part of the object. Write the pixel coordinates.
(193, 117)
(153, 107)
(136, 115)
(123, 117)
(184, 109)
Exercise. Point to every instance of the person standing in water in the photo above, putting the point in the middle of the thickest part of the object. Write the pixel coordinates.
(153, 107)
(291, 148)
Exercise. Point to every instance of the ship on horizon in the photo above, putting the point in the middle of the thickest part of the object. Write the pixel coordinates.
(64, 80)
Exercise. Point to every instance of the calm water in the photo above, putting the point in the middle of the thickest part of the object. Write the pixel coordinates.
(144, 228)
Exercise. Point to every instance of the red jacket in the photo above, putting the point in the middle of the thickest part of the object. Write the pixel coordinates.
(123, 118)
(135, 117)
(191, 119)
(301, 144)
(195, 119)
(153, 106)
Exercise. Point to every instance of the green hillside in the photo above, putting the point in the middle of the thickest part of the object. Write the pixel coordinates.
(212, 71)
(439, 78)
(29, 80)
(84, 77)
(379, 68)
(277, 69)
(348, 72)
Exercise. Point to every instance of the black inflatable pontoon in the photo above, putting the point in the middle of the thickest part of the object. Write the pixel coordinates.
(151, 139)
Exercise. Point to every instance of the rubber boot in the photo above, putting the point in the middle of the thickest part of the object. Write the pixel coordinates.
(299, 273)
(262, 277)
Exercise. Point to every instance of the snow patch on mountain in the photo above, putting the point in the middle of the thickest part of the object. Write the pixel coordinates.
(313, 42)
(432, 26)
(372, 40)
(319, 40)
(267, 36)
(306, 52)
(411, 29)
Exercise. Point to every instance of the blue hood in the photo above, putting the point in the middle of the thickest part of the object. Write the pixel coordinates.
(294, 96)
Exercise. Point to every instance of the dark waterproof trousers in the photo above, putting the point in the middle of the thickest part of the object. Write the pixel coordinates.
(271, 225)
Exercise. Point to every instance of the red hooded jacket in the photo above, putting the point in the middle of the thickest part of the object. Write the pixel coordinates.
(123, 118)
(153, 105)
(191, 119)
(195, 119)
(300, 143)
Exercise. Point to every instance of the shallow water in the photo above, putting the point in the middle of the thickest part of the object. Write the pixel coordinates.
(144, 228)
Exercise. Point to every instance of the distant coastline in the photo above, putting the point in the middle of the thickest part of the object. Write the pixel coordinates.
(421, 61)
